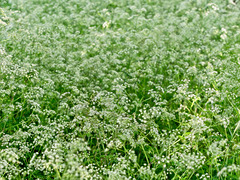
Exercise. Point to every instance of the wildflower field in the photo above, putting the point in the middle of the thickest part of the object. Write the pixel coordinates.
(120, 89)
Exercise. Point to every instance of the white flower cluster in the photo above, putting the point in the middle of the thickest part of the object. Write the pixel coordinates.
(119, 89)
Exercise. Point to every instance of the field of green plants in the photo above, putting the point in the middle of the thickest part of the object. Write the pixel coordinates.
(120, 89)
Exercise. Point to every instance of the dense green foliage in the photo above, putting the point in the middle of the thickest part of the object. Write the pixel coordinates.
(119, 89)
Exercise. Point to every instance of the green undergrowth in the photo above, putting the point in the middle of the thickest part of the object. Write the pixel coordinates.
(139, 89)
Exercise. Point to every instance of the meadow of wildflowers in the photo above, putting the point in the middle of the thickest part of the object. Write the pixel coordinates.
(119, 89)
